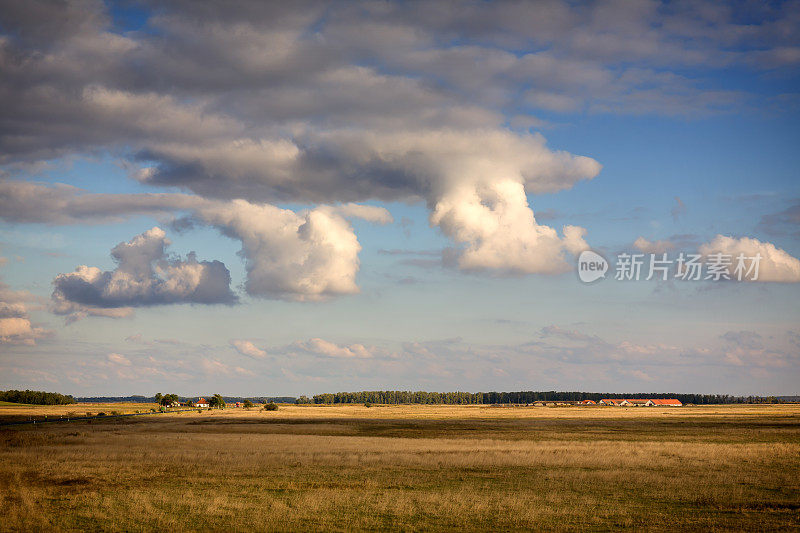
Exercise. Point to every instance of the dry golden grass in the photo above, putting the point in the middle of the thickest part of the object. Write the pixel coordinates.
(11, 412)
(408, 467)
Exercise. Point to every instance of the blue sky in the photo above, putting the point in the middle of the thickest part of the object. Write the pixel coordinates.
(347, 193)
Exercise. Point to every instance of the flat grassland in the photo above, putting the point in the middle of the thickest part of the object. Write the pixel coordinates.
(404, 468)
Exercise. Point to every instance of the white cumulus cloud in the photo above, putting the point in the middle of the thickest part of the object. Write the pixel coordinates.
(499, 231)
(305, 256)
(144, 276)
(15, 323)
(653, 247)
(119, 359)
(775, 264)
(248, 348)
(329, 349)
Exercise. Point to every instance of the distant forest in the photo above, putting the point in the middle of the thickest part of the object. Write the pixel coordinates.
(152, 399)
(523, 397)
(407, 397)
(35, 397)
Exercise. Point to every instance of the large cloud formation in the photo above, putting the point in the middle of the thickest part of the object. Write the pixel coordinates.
(499, 230)
(272, 102)
(145, 276)
(75, 78)
(304, 256)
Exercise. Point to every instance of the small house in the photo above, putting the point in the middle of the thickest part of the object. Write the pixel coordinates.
(201, 402)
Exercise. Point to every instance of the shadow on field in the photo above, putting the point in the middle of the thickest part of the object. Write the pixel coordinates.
(709, 429)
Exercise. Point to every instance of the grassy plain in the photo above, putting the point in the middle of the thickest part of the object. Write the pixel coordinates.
(14, 412)
(404, 468)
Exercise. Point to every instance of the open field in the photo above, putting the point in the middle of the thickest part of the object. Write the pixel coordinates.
(16, 412)
(405, 467)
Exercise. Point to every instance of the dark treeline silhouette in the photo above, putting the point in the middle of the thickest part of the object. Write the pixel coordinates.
(35, 397)
(115, 399)
(184, 399)
(522, 397)
(260, 399)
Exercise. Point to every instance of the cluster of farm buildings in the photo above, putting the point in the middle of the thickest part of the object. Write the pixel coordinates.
(618, 402)
(200, 402)
(637, 402)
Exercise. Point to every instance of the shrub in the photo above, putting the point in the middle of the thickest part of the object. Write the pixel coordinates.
(271, 406)
(247, 404)
(89, 413)
(367, 404)
(101, 414)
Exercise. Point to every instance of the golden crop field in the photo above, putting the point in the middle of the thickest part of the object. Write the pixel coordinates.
(403, 468)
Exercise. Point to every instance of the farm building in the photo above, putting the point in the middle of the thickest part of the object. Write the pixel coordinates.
(588, 402)
(668, 402)
(610, 401)
(201, 402)
(636, 402)
(641, 402)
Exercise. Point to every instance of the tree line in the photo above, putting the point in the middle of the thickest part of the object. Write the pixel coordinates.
(35, 397)
(182, 399)
(522, 397)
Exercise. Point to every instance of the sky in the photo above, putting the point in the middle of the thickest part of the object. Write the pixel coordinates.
(268, 198)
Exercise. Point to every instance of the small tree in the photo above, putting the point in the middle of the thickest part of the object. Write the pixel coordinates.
(167, 399)
(271, 406)
(247, 404)
(217, 401)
